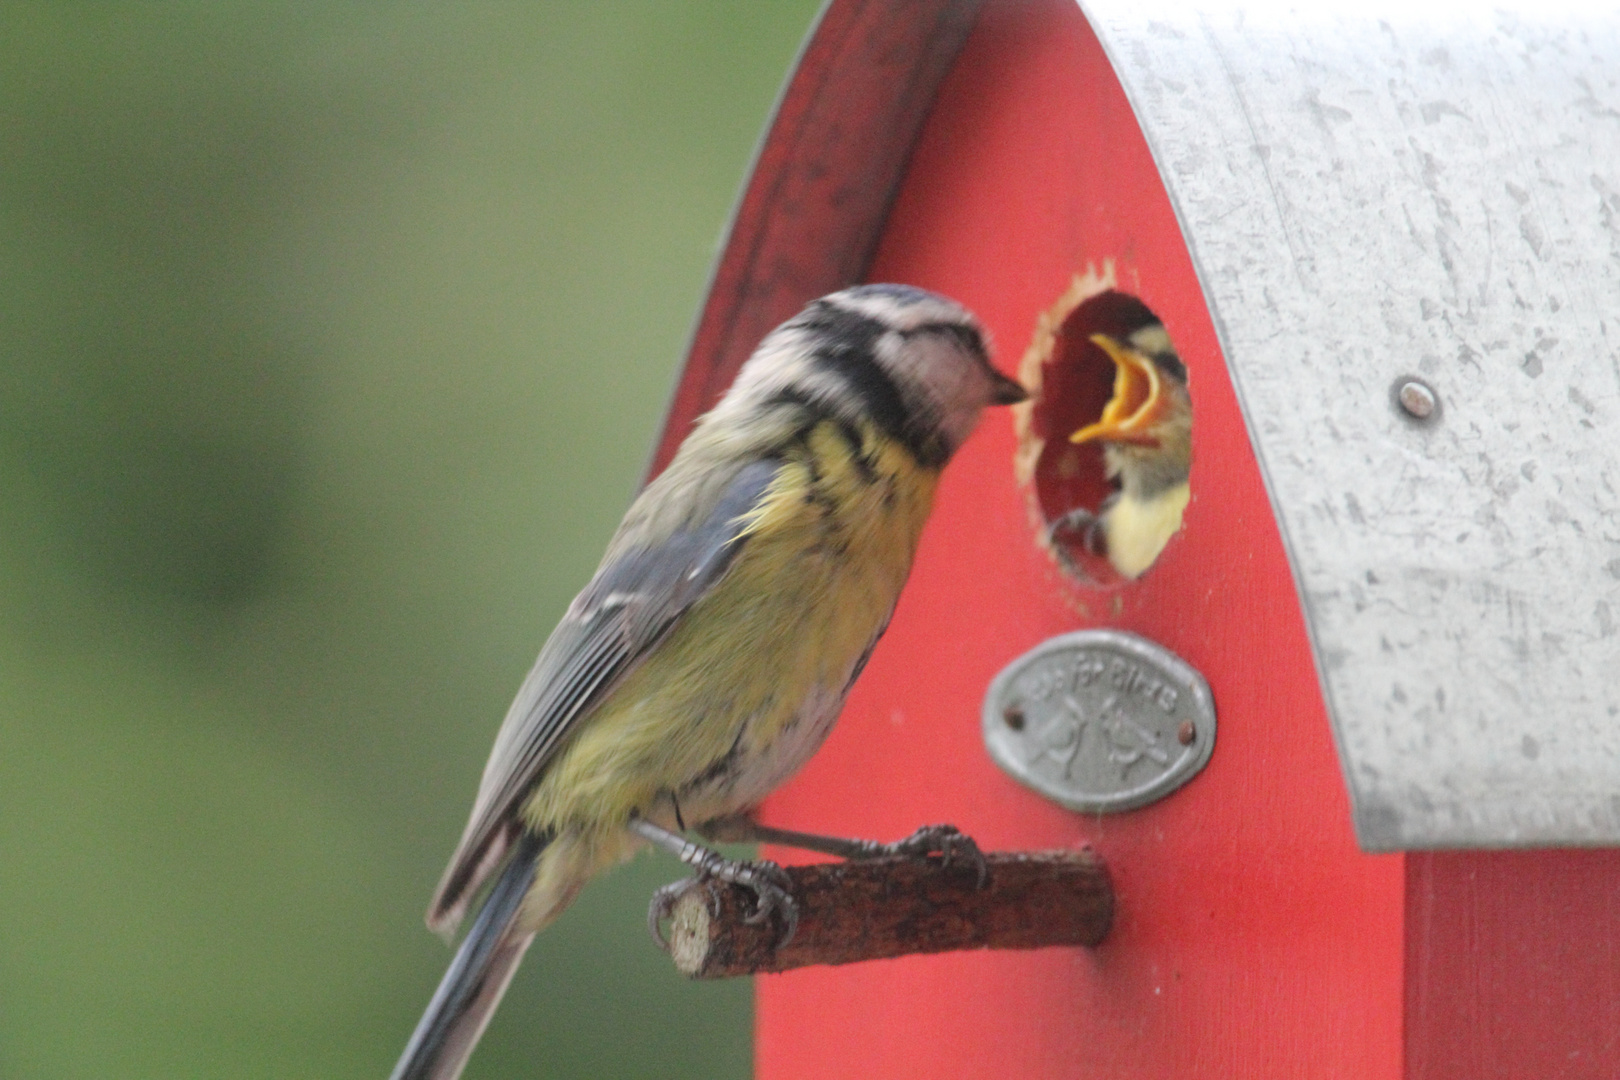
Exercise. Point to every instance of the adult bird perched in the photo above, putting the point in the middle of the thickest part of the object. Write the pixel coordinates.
(710, 654)
(1146, 434)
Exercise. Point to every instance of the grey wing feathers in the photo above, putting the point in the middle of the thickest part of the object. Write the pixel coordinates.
(627, 608)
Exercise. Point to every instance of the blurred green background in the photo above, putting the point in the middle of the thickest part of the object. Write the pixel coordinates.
(333, 339)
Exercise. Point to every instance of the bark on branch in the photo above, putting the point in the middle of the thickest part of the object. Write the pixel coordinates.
(870, 910)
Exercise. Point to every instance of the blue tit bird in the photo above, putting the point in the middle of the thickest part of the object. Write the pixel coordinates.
(1146, 434)
(710, 654)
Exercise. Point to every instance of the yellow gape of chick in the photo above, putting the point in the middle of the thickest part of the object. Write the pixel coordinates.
(1146, 434)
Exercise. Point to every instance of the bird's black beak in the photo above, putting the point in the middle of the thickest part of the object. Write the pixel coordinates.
(1006, 391)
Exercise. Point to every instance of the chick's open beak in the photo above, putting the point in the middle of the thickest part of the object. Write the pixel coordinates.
(1139, 400)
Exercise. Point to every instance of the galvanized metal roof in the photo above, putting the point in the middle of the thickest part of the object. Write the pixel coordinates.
(1372, 195)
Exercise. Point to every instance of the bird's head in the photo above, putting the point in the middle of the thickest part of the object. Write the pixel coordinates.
(912, 362)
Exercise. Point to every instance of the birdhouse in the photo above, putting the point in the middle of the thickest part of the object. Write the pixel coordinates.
(1347, 739)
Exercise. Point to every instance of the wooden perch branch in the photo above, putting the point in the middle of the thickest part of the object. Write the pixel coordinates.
(870, 910)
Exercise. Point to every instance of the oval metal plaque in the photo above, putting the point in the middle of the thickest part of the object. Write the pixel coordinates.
(1100, 720)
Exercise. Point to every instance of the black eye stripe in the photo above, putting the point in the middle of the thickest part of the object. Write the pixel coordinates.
(1170, 362)
(845, 347)
(1166, 358)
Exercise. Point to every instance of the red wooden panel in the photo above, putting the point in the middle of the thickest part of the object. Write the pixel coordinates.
(1254, 939)
(1513, 968)
(825, 174)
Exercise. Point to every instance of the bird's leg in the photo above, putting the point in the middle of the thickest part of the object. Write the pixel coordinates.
(947, 840)
(769, 884)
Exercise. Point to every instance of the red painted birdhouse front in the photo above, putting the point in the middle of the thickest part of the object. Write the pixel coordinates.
(1347, 574)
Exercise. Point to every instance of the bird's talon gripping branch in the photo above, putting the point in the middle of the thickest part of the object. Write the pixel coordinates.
(772, 892)
(663, 903)
(948, 841)
(772, 889)
(770, 884)
(951, 843)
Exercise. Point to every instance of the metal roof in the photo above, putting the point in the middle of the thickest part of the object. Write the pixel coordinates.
(1374, 194)
(1371, 194)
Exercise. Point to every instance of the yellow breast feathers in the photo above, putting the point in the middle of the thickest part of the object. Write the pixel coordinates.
(828, 549)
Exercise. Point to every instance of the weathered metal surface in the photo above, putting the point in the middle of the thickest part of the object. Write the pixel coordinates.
(1372, 194)
(1100, 720)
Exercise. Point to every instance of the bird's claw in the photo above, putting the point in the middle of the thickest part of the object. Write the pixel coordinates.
(1085, 523)
(770, 884)
(951, 843)
(773, 893)
(772, 889)
(663, 903)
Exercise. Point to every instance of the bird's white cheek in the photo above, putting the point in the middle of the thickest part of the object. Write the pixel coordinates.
(964, 406)
(958, 427)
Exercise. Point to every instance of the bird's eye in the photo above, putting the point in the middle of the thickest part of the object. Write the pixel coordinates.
(1108, 431)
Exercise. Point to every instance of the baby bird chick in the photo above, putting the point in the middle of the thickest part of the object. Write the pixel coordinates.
(1146, 434)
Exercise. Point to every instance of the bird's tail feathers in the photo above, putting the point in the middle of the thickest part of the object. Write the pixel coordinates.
(462, 878)
(472, 987)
